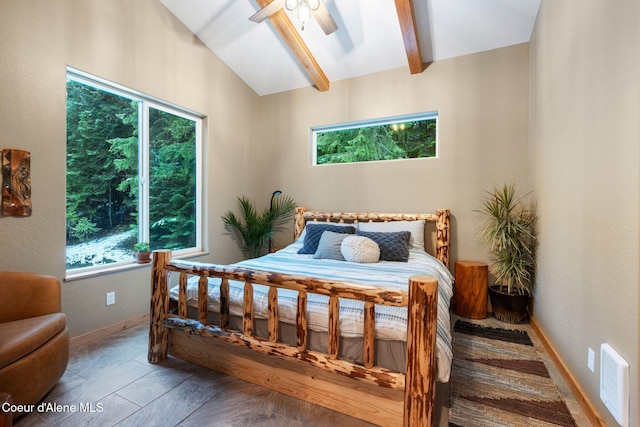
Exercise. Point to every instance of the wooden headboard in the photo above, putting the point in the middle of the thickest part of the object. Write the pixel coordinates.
(440, 218)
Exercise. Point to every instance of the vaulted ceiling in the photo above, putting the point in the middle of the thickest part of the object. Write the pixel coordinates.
(373, 35)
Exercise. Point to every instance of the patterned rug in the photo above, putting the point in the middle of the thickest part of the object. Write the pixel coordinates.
(498, 379)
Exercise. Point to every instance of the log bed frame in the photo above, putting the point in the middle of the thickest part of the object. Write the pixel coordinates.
(374, 394)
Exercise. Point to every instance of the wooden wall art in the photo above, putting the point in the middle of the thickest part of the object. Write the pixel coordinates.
(16, 182)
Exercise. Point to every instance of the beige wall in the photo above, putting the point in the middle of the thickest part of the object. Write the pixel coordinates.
(138, 44)
(482, 102)
(585, 138)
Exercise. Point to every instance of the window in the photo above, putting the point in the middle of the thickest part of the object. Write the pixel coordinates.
(401, 137)
(133, 174)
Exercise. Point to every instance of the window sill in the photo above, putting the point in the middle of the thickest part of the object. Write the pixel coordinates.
(70, 277)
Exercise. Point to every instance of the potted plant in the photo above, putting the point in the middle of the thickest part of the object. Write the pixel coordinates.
(143, 252)
(255, 229)
(510, 235)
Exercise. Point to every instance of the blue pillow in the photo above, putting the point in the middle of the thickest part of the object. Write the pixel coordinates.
(394, 246)
(314, 231)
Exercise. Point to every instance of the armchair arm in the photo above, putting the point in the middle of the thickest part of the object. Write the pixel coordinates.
(27, 295)
(5, 416)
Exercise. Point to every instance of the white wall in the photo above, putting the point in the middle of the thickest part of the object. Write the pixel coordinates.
(138, 44)
(585, 138)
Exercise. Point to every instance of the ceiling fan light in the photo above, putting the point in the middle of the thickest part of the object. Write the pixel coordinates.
(313, 4)
(291, 4)
(304, 13)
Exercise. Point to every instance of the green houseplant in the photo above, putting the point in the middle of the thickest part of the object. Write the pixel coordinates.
(143, 252)
(509, 233)
(254, 228)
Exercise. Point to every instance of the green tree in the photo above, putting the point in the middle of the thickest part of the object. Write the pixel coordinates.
(172, 181)
(94, 201)
(381, 142)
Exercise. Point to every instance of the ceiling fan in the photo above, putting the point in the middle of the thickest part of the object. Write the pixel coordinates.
(305, 9)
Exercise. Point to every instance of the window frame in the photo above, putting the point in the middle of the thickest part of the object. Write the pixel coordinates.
(313, 131)
(145, 103)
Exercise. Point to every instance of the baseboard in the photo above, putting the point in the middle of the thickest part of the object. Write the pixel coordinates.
(582, 399)
(108, 330)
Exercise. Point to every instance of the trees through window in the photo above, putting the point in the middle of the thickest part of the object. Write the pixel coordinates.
(404, 137)
(133, 174)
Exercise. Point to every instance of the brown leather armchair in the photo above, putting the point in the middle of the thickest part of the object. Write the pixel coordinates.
(34, 339)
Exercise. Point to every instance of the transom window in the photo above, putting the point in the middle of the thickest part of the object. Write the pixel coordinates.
(401, 137)
(133, 175)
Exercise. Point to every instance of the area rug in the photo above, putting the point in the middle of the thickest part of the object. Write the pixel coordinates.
(498, 379)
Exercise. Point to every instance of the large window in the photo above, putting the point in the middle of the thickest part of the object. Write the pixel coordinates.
(133, 175)
(402, 137)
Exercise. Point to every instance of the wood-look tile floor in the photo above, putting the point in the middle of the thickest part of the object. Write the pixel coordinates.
(125, 390)
(113, 383)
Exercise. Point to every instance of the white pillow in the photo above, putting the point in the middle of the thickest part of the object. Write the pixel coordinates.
(360, 249)
(415, 227)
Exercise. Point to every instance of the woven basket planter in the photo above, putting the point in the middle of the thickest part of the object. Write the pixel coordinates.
(508, 308)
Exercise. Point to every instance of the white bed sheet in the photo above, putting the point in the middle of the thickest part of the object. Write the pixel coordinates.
(390, 322)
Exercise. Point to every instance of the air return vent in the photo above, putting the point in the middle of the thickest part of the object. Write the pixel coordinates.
(614, 384)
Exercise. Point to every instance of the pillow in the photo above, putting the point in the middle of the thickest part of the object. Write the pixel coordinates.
(329, 245)
(360, 249)
(313, 232)
(415, 227)
(394, 246)
(302, 235)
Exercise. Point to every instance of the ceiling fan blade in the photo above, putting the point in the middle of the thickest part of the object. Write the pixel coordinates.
(267, 11)
(324, 19)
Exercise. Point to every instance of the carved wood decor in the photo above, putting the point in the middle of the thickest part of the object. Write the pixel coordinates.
(356, 390)
(16, 182)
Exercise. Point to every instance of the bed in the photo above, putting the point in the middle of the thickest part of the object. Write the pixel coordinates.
(368, 339)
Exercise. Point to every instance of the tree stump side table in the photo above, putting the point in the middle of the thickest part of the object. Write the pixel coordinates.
(471, 289)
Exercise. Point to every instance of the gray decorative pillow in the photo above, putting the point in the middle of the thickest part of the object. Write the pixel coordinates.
(394, 246)
(329, 245)
(314, 231)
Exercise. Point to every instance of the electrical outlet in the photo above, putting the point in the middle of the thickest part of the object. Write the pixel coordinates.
(590, 360)
(111, 298)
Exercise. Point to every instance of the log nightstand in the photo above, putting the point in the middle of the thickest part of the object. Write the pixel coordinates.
(471, 287)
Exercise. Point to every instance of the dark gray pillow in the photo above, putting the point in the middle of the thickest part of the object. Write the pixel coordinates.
(394, 246)
(314, 231)
(330, 244)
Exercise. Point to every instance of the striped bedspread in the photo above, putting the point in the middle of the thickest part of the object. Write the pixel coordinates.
(390, 322)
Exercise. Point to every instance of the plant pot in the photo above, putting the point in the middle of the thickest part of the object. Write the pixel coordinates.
(144, 257)
(508, 308)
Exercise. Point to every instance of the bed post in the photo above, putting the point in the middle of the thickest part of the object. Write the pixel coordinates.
(158, 335)
(420, 387)
(442, 235)
(299, 222)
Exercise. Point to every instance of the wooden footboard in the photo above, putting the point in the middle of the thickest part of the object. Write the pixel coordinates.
(321, 378)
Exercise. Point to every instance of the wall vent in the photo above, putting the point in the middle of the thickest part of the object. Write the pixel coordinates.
(614, 384)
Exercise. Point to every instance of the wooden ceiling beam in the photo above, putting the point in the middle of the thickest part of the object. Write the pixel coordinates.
(410, 35)
(291, 37)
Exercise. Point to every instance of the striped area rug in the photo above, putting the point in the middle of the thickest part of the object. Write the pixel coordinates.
(498, 379)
